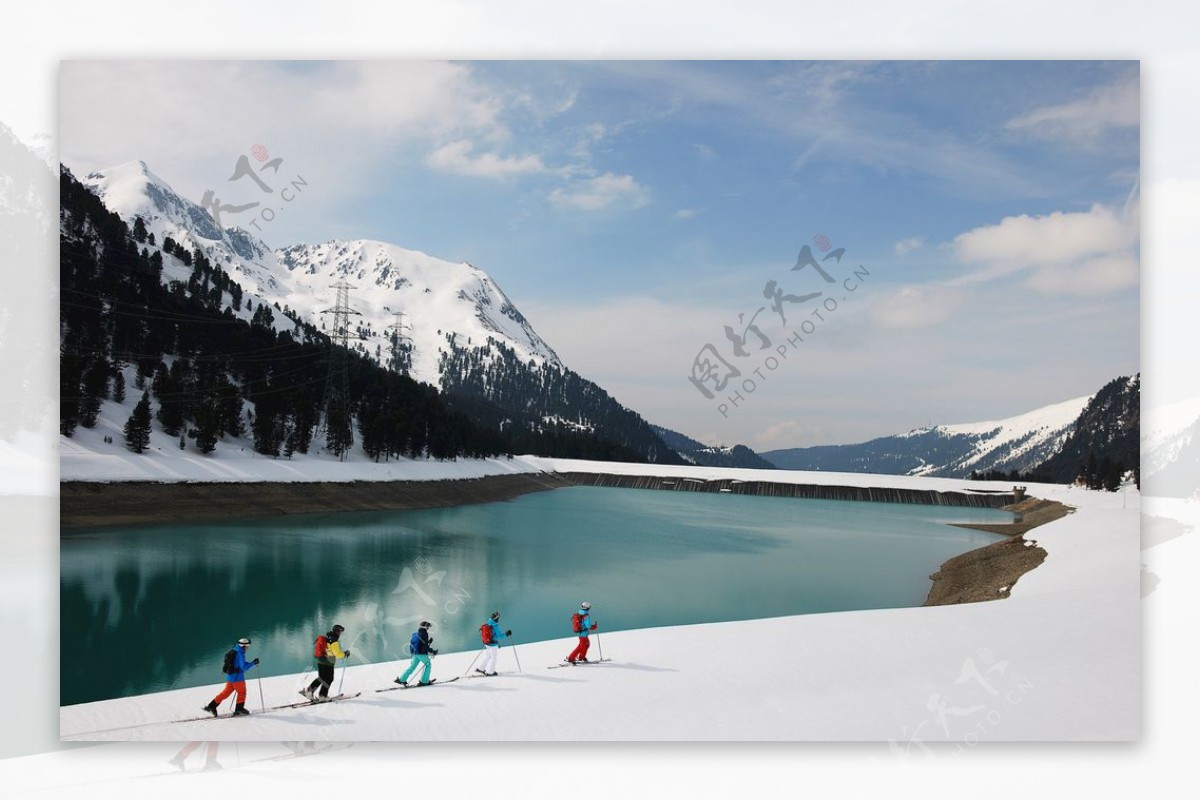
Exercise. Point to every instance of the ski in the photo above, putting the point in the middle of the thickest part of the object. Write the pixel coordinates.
(184, 720)
(478, 676)
(331, 699)
(578, 664)
(415, 686)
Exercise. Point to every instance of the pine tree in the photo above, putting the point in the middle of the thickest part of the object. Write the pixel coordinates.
(119, 387)
(339, 437)
(137, 427)
(95, 390)
(139, 230)
(207, 429)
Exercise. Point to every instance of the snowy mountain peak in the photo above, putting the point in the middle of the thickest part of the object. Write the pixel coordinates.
(444, 304)
(133, 190)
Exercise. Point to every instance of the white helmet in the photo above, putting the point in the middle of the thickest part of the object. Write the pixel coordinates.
(585, 605)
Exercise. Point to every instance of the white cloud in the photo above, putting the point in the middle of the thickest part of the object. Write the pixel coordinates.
(915, 307)
(602, 192)
(1081, 253)
(1048, 239)
(342, 126)
(1094, 276)
(704, 152)
(1087, 120)
(456, 158)
(685, 214)
(906, 246)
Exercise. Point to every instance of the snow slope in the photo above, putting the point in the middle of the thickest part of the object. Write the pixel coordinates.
(1060, 659)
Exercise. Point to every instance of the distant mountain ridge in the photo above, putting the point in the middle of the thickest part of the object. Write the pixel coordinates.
(1020, 443)
(698, 453)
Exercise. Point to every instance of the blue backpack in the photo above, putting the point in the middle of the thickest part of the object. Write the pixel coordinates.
(414, 642)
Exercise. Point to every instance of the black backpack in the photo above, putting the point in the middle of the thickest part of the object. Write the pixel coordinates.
(230, 665)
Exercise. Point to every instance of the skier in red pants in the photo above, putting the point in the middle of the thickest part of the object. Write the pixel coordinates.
(581, 623)
(236, 666)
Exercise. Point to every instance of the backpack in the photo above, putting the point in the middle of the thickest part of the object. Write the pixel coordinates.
(485, 634)
(577, 623)
(320, 646)
(230, 665)
(415, 642)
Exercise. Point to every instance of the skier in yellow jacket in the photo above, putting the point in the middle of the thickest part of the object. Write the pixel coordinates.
(327, 650)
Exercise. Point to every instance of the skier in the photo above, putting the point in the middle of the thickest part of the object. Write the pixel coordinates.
(420, 645)
(236, 666)
(491, 635)
(326, 650)
(582, 623)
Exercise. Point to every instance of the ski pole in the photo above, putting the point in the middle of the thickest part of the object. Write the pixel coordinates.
(600, 646)
(261, 702)
(342, 680)
(518, 658)
(473, 661)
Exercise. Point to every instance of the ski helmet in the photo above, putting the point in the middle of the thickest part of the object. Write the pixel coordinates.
(585, 605)
(495, 615)
(337, 629)
(244, 641)
(425, 624)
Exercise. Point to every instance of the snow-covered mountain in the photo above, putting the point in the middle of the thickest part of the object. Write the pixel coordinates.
(460, 332)
(1018, 443)
(442, 303)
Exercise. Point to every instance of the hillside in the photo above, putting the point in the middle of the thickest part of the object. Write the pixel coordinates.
(1105, 439)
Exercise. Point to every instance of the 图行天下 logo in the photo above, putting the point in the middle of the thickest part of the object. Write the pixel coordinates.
(728, 378)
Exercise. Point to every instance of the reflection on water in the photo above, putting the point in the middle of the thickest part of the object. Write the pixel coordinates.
(155, 608)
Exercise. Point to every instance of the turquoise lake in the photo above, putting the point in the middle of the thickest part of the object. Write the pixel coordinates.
(155, 607)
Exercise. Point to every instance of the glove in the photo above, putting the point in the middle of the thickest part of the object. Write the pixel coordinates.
(255, 662)
(347, 654)
(508, 633)
(594, 626)
(433, 651)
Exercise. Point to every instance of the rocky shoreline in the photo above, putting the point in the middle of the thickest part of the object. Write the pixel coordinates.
(84, 504)
(989, 573)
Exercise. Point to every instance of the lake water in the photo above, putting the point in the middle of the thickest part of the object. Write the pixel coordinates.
(155, 608)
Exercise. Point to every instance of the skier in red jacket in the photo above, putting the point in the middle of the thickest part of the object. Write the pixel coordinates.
(582, 623)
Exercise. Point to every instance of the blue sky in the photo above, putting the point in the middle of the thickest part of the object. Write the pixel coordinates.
(632, 210)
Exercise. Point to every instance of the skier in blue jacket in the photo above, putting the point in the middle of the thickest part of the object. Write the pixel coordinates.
(491, 634)
(422, 646)
(235, 681)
